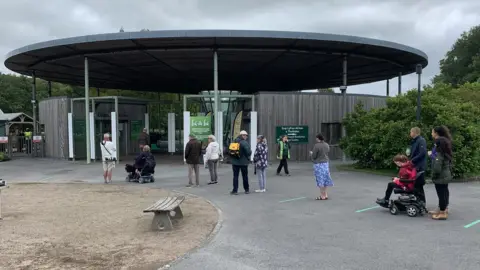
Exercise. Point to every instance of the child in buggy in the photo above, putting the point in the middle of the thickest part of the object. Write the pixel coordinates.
(404, 185)
(143, 168)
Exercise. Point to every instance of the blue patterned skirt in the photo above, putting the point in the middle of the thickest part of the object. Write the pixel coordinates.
(321, 172)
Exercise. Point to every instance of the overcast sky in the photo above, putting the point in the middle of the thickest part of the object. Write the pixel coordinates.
(429, 25)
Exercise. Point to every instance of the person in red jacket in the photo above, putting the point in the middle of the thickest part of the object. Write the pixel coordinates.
(407, 171)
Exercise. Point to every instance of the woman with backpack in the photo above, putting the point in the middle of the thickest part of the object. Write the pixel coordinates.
(261, 162)
(442, 175)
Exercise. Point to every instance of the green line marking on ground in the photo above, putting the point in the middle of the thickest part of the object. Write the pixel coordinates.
(294, 199)
(366, 209)
(471, 224)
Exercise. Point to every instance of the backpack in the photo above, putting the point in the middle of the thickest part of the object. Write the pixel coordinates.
(234, 149)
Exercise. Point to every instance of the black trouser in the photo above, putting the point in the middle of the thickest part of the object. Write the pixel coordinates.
(284, 164)
(419, 191)
(389, 190)
(236, 173)
(443, 196)
(29, 146)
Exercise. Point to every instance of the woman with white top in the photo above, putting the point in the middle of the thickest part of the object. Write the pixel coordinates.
(109, 157)
(211, 156)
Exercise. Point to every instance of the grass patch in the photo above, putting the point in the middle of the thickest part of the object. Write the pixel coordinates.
(353, 168)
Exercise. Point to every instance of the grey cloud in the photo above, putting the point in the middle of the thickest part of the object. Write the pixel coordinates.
(429, 25)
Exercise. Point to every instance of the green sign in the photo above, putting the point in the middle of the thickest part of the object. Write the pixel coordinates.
(201, 127)
(296, 134)
(79, 128)
(136, 127)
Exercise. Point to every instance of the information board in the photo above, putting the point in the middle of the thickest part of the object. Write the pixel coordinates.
(136, 127)
(201, 127)
(296, 134)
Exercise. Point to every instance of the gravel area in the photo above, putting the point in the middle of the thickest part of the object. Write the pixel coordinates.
(92, 226)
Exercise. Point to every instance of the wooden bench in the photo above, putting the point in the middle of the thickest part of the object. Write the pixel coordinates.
(165, 209)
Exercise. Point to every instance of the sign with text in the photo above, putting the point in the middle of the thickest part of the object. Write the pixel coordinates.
(296, 134)
(136, 127)
(37, 139)
(4, 139)
(201, 127)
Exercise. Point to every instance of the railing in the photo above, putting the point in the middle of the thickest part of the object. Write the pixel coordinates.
(21, 146)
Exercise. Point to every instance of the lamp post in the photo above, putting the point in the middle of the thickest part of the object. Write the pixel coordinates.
(419, 93)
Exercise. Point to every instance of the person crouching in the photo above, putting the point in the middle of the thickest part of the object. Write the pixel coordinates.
(407, 171)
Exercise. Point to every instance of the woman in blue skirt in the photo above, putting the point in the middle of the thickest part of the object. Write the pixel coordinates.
(321, 169)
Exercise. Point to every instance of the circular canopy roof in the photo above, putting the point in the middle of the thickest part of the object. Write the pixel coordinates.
(182, 61)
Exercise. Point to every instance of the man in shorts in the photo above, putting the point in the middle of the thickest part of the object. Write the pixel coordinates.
(109, 157)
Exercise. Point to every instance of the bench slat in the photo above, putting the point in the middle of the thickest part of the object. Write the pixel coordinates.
(158, 204)
(155, 205)
(165, 204)
(167, 201)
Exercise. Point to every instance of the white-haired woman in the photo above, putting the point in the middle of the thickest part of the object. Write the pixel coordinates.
(109, 157)
(211, 156)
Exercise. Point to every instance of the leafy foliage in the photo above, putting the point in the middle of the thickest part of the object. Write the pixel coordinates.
(16, 95)
(374, 137)
(462, 63)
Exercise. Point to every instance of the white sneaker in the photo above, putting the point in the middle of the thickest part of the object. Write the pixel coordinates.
(263, 190)
(259, 190)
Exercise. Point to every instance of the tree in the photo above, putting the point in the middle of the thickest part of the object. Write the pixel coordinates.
(462, 63)
(374, 137)
(121, 30)
(16, 95)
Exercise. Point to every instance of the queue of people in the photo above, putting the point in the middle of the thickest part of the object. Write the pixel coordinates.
(241, 157)
(412, 166)
(413, 169)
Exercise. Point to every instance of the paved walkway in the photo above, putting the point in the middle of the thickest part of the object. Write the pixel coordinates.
(286, 228)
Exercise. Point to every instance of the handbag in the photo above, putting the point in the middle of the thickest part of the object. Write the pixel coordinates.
(108, 159)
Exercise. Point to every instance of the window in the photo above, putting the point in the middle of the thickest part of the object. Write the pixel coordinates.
(332, 132)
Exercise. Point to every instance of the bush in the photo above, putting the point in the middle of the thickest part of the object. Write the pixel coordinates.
(2, 156)
(374, 137)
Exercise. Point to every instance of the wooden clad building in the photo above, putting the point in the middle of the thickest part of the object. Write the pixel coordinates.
(321, 112)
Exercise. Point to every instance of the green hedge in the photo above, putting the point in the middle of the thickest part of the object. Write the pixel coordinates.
(374, 137)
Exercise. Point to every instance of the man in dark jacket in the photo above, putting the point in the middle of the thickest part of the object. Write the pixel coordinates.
(418, 156)
(143, 139)
(240, 164)
(193, 150)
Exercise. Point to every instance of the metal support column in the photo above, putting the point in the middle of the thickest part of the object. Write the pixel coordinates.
(73, 125)
(388, 88)
(34, 103)
(215, 93)
(87, 111)
(49, 88)
(343, 89)
(419, 91)
(117, 116)
(400, 83)
(94, 142)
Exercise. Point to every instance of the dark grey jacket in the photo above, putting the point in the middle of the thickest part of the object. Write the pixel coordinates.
(441, 170)
(245, 153)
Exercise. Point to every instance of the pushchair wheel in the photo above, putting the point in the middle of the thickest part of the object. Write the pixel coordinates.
(393, 209)
(412, 211)
(141, 180)
(152, 179)
(127, 179)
